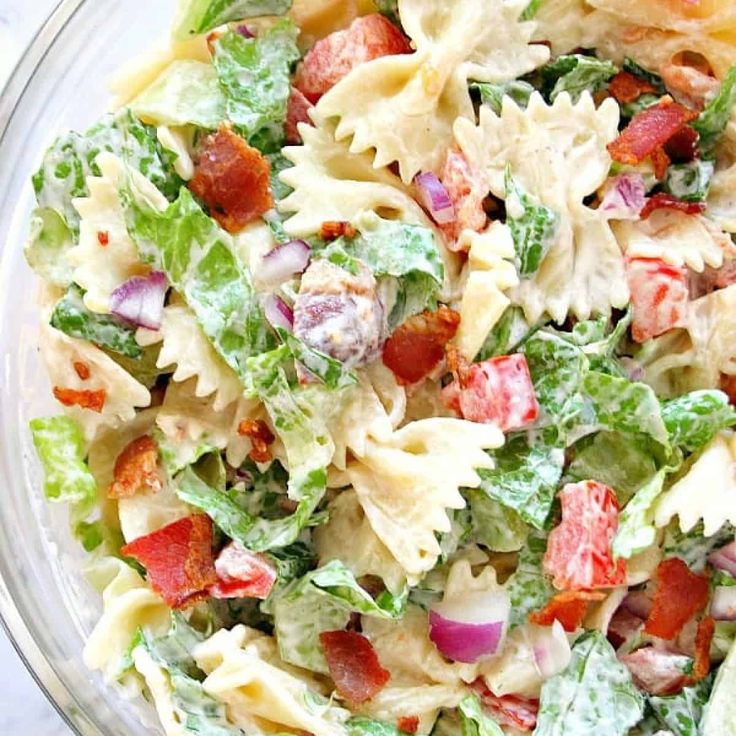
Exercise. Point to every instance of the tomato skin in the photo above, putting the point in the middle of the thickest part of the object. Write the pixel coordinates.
(513, 711)
(467, 189)
(335, 56)
(659, 296)
(496, 391)
(242, 574)
(297, 112)
(579, 555)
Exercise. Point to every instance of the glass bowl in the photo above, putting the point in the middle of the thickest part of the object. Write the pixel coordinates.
(45, 604)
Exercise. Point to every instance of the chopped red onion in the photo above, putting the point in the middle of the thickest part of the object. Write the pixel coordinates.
(551, 649)
(724, 558)
(278, 312)
(638, 603)
(723, 605)
(244, 31)
(435, 198)
(470, 628)
(284, 262)
(140, 300)
(625, 197)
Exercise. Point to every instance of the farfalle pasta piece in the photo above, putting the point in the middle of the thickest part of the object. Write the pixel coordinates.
(106, 255)
(318, 18)
(561, 23)
(404, 106)
(407, 483)
(558, 154)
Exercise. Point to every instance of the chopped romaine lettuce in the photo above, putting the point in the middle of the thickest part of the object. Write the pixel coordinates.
(529, 588)
(681, 713)
(200, 16)
(533, 226)
(719, 717)
(691, 181)
(474, 721)
(693, 419)
(510, 331)
(389, 8)
(531, 10)
(576, 74)
(361, 726)
(693, 547)
(74, 319)
(330, 371)
(636, 531)
(655, 80)
(493, 94)
(494, 525)
(254, 74)
(713, 120)
(594, 694)
(46, 250)
(323, 601)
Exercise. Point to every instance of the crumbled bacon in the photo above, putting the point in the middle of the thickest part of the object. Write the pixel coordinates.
(82, 370)
(243, 574)
(332, 230)
(657, 671)
(579, 555)
(178, 558)
(92, 400)
(683, 146)
(679, 595)
(353, 665)
(626, 87)
(103, 237)
(660, 161)
(667, 201)
(136, 469)
(688, 84)
(648, 130)
(232, 179)
(569, 608)
(408, 724)
(703, 641)
(297, 111)
(417, 346)
(260, 437)
(659, 296)
(511, 711)
(333, 57)
(467, 188)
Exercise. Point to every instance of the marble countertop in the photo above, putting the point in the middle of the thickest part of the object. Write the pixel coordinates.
(23, 707)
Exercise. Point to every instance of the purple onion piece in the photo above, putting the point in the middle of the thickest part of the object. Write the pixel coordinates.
(435, 198)
(242, 30)
(625, 197)
(140, 300)
(724, 558)
(278, 312)
(284, 262)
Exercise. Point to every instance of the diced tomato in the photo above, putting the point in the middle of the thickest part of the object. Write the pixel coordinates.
(626, 87)
(569, 608)
(417, 346)
(335, 56)
(683, 146)
(467, 188)
(92, 400)
(657, 671)
(334, 229)
(648, 130)
(297, 112)
(623, 626)
(353, 665)
(511, 711)
(243, 574)
(703, 641)
(136, 469)
(496, 391)
(408, 724)
(659, 296)
(82, 370)
(232, 179)
(667, 201)
(680, 594)
(578, 555)
(178, 558)
(260, 437)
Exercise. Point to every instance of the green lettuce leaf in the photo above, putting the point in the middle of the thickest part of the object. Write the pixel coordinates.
(494, 525)
(323, 601)
(691, 181)
(389, 8)
(529, 588)
(474, 721)
(719, 717)
(74, 319)
(639, 71)
(254, 74)
(48, 243)
(681, 713)
(694, 419)
(531, 10)
(533, 226)
(201, 263)
(713, 120)
(510, 331)
(693, 547)
(493, 94)
(187, 92)
(576, 74)
(636, 531)
(200, 16)
(361, 726)
(594, 694)
(330, 371)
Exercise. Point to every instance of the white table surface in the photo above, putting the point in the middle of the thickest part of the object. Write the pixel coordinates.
(23, 707)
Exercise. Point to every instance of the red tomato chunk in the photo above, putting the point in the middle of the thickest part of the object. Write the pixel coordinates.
(467, 189)
(243, 574)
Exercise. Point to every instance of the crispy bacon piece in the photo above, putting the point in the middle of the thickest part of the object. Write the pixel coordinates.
(498, 391)
(92, 400)
(579, 555)
(136, 469)
(657, 671)
(511, 711)
(703, 641)
(467, 188)
(232, 179)
(660, 161)
(691, 85)
(679, 595)
(332, 230)
(178, 558)
(332, 58)
(417, 346)
(353, 665)
(659, 296)
(569, 608)
(626, 87)
(260, 436)
(683, 146)
(408, 724)
(667, 201)
(82, 370)
(648, 130)
(242, 574)
(297, 111)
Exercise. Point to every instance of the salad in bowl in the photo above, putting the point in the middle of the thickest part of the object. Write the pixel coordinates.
(395, 351)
